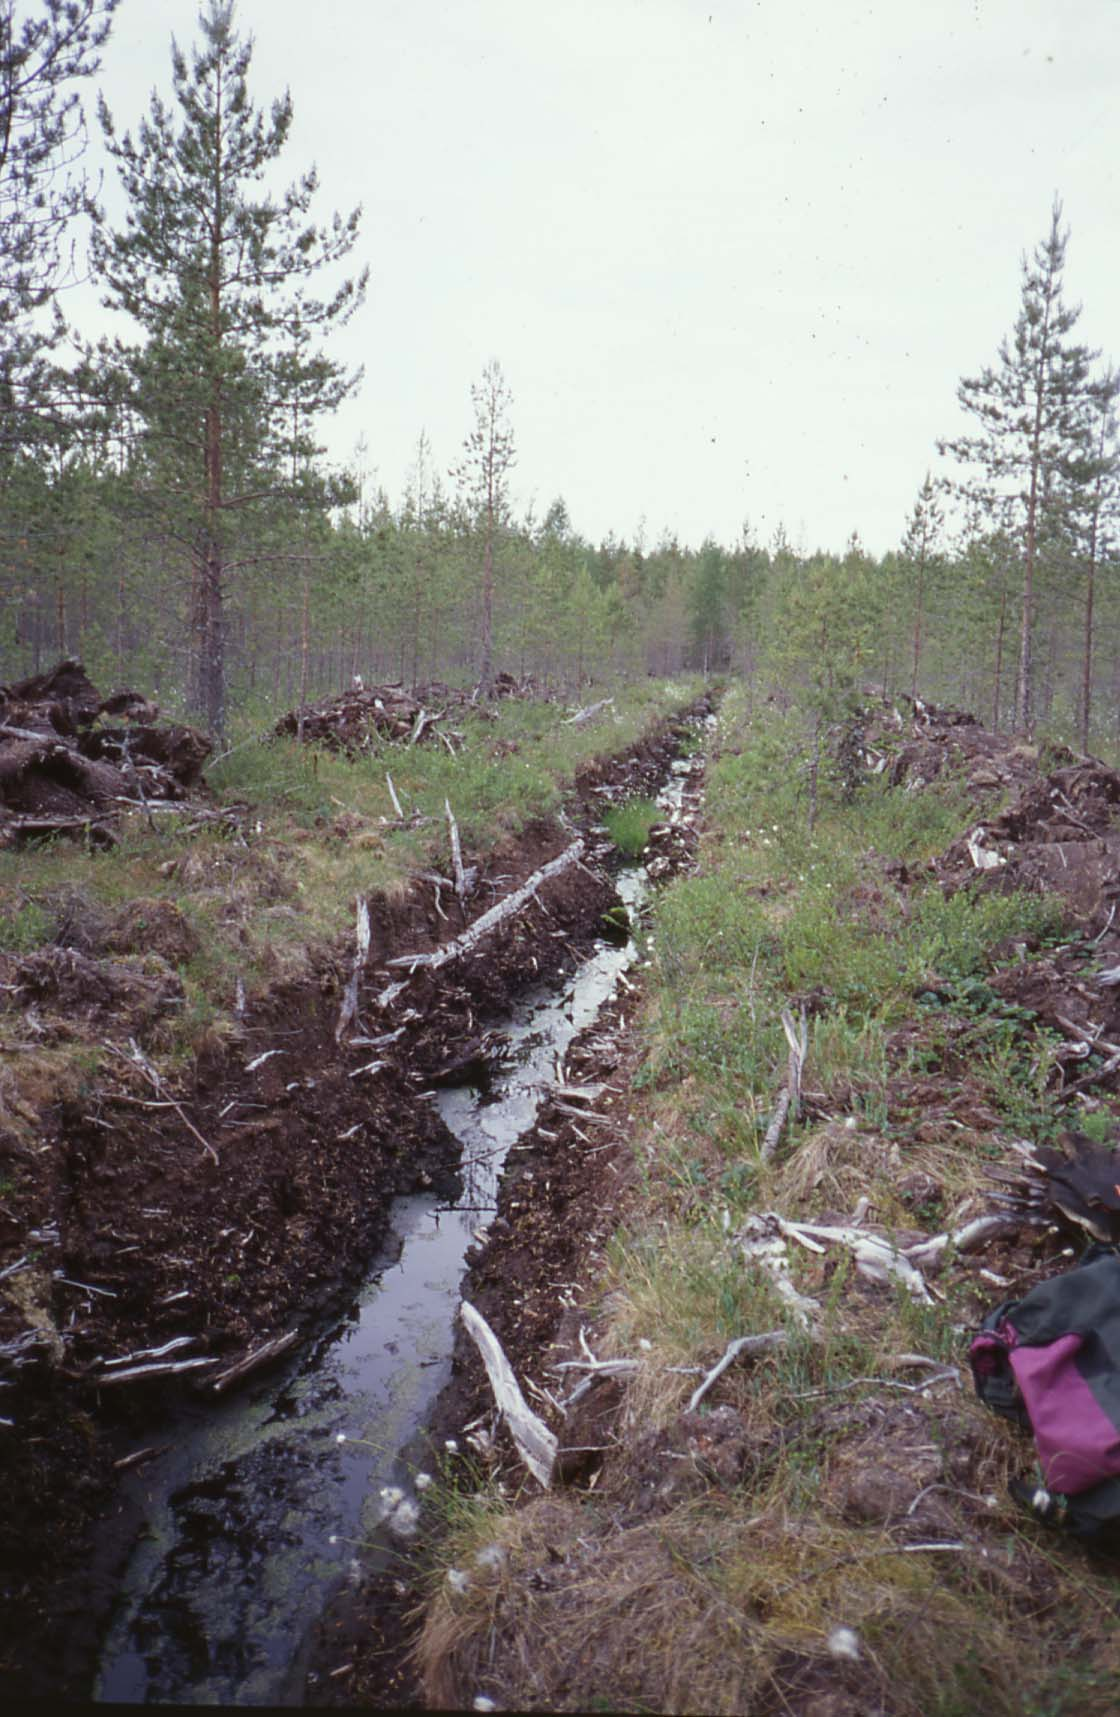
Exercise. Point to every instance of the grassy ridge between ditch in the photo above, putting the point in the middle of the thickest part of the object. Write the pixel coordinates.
(243, 899)
(768, 1552)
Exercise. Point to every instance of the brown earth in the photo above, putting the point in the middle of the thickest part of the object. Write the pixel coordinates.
(229, 1210)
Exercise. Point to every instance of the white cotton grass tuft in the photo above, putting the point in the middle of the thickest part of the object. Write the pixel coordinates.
(402, 1516)
(451, 1445)
(423, 1480)
(341, 1437)
(481, 1703)
(491, 1556)
(457, 1580)
(844, 1643)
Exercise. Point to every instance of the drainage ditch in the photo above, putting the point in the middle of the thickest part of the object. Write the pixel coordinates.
(260, 1510)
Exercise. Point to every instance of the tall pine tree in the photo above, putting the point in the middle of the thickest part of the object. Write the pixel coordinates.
(228, 381)
(1033, 426)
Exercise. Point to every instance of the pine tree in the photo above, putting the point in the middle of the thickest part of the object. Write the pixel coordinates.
(1096, 520)
(920, 558)
(488, 455)
(43, 192)
(1031, 411)
(228, 382)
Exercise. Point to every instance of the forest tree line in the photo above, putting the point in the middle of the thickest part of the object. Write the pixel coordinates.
(167, 512)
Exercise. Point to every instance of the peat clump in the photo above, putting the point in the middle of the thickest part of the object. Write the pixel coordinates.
(71, 760)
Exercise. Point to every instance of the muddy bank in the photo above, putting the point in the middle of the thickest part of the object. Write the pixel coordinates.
(152, 1228)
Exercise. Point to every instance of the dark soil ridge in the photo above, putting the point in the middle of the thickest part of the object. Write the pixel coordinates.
(267, 1240)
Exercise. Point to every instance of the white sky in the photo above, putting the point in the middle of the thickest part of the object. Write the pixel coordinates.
(733, 258)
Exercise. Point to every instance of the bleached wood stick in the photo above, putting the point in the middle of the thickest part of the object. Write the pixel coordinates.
(140, 1060)
(764, 1343)
(361, 953)
(536, 1444)
(586, 713)
(456, 853)
(762, 1246)
(164, 1368)
(251, 1361)
(171, 1346)
(965, 1239)
(393, 796)
(777, 1122)
(875, 1257)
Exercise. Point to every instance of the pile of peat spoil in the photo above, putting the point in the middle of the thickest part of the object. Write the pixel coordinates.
(365, 716)
(71, 759)
(163, 1237)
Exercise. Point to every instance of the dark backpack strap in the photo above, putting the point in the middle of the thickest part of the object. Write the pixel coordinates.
(991, 1367)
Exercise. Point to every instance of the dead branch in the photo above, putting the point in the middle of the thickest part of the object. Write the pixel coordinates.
(163, 1368)
(536, 1444)
(138, 1059)
(875, 1257)
(361, 953)
(252, 1361)
(456, 854)
(765, 1343)
(484, 924)
(588, 712)
(789, 1098)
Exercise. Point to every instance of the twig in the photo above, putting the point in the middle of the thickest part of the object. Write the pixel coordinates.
(743, 1344)
(393, 796)
(456, 853)
(138, 1059)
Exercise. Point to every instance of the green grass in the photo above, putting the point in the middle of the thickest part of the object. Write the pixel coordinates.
(629, 825)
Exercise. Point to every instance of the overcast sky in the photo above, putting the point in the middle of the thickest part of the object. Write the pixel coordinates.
(733, 258)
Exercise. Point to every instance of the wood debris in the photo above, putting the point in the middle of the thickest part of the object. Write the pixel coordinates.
(536, 1444)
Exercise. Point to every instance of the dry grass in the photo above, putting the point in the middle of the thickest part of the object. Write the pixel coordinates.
(734, 1610)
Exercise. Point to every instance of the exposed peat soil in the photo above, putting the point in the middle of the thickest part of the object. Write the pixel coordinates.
(142, 1228)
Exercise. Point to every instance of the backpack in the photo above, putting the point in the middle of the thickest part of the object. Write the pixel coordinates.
(1051, 1362)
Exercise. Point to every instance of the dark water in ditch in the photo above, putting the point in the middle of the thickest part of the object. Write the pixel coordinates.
(259, 1511)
